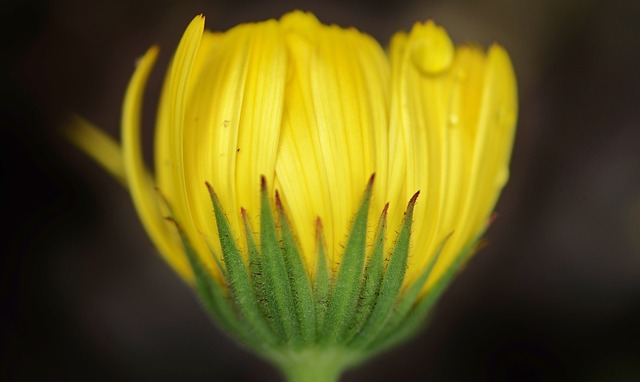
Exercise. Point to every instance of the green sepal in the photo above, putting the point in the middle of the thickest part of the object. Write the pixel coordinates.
(257, 277)
(410, 296)
(238, 277)
(298, 277)
(344, 296)
(322, 282)
(371, 279)
(219, 263)
(391, 282)
(277, 284)
(272, 304)
(405, 325)
(211, 293)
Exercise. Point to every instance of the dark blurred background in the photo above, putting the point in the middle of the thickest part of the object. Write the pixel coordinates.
(555, 296)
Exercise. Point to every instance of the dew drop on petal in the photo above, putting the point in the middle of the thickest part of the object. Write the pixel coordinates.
(432, 50)
(454, 119)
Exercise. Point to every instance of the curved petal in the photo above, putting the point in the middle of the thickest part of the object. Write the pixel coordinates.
(231, 127)
(172, 148)
(491, 107)
(97, 144)
(453, 118)
(140, 183)
(420, 117)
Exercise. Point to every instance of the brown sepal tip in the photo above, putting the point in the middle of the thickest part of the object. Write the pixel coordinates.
(245, 215)
(412, 202)
(263, 183)
(318, 227)
(164, 198)
(371, 180)
(385, 212)
(279, 205)
(171, 220)
(210, 188)
(482, 243)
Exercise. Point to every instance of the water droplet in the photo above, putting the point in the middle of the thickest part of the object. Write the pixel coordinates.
(454, 119)
(432, 50)
(226, 123)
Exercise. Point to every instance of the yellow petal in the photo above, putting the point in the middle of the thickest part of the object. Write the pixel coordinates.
(171, 127)
(140, 183)
(446, 136)
(98, 145)
(231, 126)
(334, 130)
(419, 112)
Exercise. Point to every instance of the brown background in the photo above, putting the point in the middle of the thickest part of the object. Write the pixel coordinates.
(556, 296)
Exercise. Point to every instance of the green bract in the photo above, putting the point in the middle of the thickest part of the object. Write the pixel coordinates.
(314, 329)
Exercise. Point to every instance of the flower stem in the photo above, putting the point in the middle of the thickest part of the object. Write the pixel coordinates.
(311, 374)
(315, 365)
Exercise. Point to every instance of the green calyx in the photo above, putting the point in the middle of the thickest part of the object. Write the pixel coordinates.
(314, 329)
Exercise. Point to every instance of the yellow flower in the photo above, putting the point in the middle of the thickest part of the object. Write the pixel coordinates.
(315, 111)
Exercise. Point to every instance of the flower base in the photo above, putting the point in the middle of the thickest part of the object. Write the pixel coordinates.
(314, 364)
